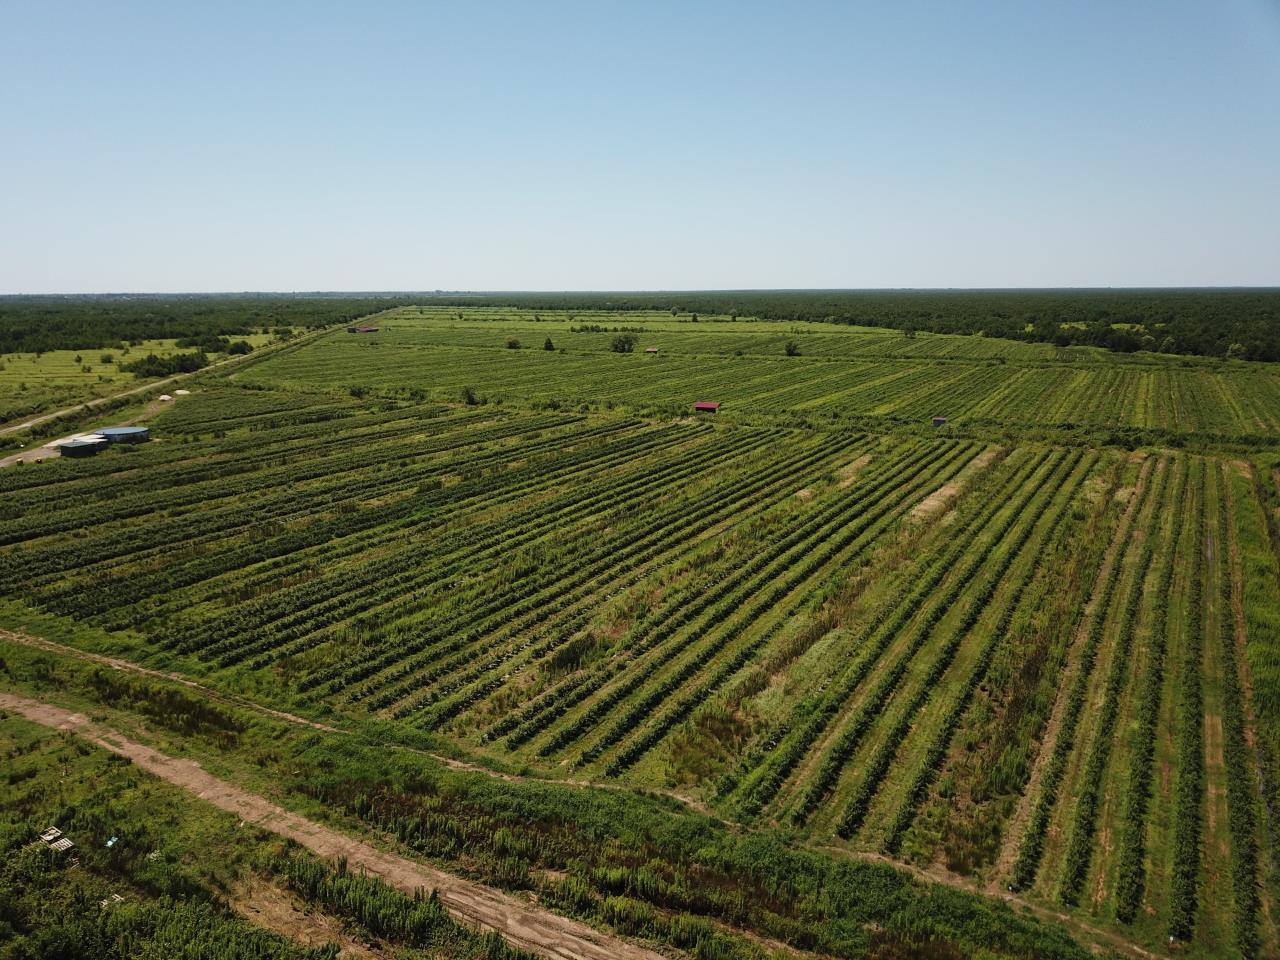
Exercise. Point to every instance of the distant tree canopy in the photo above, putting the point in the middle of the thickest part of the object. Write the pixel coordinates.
(1192, 321)
(1235, 323)
(38, 323)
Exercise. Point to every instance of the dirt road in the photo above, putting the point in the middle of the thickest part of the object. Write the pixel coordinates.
(935, 875)
(154, 384)
(523, 924)
(242, 703)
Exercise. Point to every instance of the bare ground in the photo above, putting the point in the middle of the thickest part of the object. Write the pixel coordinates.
(453, 763)
(65, 719)
(266, 905)
(941, 498)
(521, 923)
(129, 666)
(849, 472)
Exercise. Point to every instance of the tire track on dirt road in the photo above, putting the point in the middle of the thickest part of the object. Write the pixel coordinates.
(522, 924)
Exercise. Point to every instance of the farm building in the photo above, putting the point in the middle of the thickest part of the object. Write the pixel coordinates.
(939, 421)
(82, 447)
(125, 434)
(650, 349)
(706, 406)
(354, 329)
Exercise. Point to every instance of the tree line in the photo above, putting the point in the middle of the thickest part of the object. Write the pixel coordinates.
(1238, 323)
(33, 324)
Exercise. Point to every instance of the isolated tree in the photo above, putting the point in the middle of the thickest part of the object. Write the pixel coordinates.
(513, 343)
(548, 345)
(792, 348)
(623, 343)
(469, 397)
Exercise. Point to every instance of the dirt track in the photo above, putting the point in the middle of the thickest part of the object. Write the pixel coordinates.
(521, 923)
(453, 763)
(93, 404)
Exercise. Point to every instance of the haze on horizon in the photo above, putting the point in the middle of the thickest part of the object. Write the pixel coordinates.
(404, 146)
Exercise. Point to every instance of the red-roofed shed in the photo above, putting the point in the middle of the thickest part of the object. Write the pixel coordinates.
(706, 406)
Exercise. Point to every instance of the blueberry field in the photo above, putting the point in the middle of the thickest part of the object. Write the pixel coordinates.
(1031, 652)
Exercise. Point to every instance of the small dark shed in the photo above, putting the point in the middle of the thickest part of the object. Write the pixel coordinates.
(939, 421)
(706, 406)
(80, 448)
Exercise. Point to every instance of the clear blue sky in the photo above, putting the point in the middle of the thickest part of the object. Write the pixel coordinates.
(310, 145)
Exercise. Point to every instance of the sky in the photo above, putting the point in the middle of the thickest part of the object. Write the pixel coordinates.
(631, 146)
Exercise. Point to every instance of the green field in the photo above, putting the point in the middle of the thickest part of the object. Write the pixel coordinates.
(840, 375)
(32, 383)
(1031, 652)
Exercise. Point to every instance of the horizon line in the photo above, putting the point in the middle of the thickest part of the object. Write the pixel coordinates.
(439, 292)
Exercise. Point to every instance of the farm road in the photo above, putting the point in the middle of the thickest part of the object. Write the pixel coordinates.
(521, 923)
(934, 875)
(115, 663)
(88, 405)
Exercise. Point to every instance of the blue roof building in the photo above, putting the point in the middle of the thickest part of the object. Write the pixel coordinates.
(125, 434)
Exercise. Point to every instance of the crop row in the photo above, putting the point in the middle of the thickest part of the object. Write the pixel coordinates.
(724, 598)
(763, 774)
(610, 565)
(491, 540)
(844, 550)
(878, 767)
(110, 542)
(333, 600)
(1131, 872)
(938, 747)
(1189, 791)
(432, 501)
(681, 609)
(1079, 851)
(1031, 848)
(958, 579)
(1241, 786)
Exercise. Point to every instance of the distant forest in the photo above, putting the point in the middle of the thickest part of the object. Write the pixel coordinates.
(30, 324)
(1236, 323)
(1240, 323)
